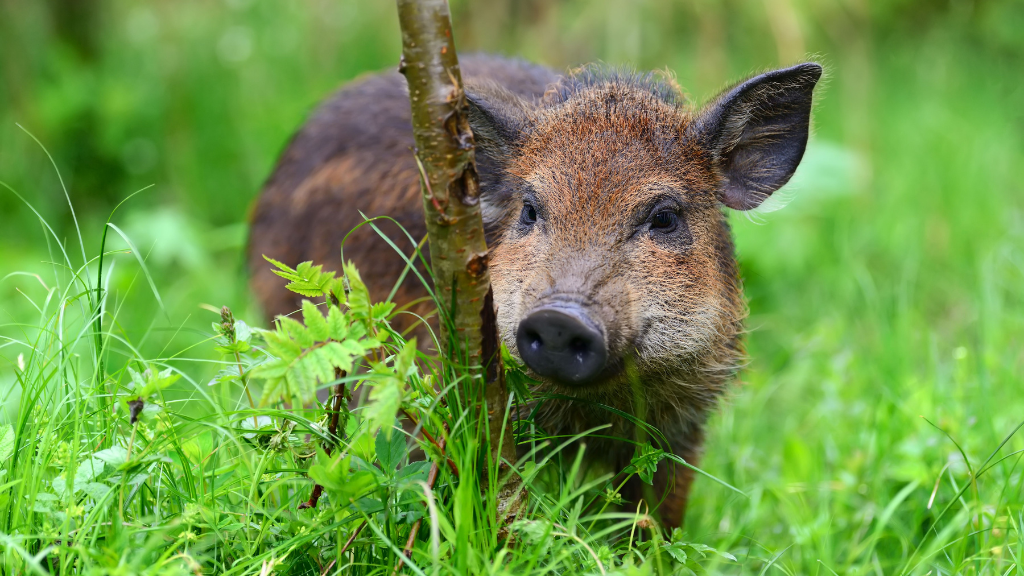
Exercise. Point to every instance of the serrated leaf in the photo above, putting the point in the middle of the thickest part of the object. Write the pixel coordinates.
(316, 324)
(337, 290)
(343, 354)
(151, 381)
(356, 331)
(337, 477)
(282, 346)
(88, 470)
(306, 279)
(306, 269)
(60, 487)
(645, 462)
(337, 324)
(533, 530)
(351, 348)
(676, 551)
(390, 451)
(413, 473)
(275, 368)
(307, 289)
(381, 310)
(296, 331)
(405, 361)
(329, 472)
(279, 265)
(243, 333)
(233, 347)
(138, 382)
(114, 456)
(358, 294)
(287, 275)
(385, 401)
(95, 490)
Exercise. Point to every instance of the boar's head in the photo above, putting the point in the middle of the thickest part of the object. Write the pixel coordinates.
(612, 260)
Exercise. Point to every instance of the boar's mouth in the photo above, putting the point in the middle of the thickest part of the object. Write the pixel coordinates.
(560, 342)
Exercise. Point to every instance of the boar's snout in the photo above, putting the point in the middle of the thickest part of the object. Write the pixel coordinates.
(562, 343)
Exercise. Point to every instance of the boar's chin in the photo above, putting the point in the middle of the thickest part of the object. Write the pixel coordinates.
(668, 339)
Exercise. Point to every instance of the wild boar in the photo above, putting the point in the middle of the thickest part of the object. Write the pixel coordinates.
(603, 194)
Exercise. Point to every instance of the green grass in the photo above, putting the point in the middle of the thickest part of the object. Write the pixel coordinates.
(887, 315)
(119, 463)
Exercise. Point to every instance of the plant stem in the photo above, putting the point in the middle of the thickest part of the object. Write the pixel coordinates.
(432, 440)
(451, 203)
(340, 394)
(245, 386)
(431, 480)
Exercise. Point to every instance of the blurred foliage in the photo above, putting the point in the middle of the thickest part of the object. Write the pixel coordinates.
(884, 281)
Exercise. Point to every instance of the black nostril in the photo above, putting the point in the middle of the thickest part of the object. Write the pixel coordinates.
(579, 349)
(562, 343)
(534, 341)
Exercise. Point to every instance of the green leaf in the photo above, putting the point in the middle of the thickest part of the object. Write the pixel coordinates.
(412, 473)
(337, 324)
(358, 294)
(316, 324)
(389, 388)
(390, 452)
(115, 456)
(381, 310)
(95, 490)
(360, 443)
(405, 361)
(243, 333)
(151, 381)
(336, 475)
(238, 346)
(681, 551)
(385, 401)
(306, 279)
(281, 267)
(676, 551)
(329, 472)
(88, 470)
(356, 485)
(280, 345)
(296, 331)
(6, 442)
(645, 462)
(533, 530)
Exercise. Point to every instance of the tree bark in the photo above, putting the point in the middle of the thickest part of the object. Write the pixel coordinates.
(451, 203)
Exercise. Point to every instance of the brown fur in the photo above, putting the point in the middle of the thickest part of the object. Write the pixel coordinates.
(593, 151)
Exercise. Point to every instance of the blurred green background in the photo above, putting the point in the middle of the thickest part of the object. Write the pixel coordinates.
(885, 282)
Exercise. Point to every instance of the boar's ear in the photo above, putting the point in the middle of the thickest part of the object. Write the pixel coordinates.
(498, 117)
(757, 132)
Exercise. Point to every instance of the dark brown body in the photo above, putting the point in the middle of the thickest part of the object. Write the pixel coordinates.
(353, 158)
(602, 193)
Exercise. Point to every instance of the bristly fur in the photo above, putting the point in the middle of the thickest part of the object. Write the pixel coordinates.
(655, 83)
(592, 151)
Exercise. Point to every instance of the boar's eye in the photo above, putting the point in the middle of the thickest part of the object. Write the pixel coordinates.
(529, 215)
(664, 221)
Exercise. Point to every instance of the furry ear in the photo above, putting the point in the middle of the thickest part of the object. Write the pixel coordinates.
(498, 117)
(499, 120)
(757, 132)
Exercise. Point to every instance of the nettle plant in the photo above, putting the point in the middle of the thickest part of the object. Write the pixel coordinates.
(344, 344)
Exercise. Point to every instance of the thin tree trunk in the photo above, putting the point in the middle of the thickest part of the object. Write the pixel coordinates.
(451, 202)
